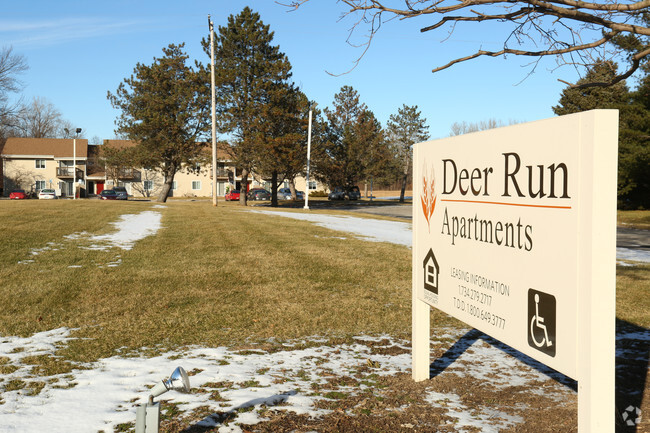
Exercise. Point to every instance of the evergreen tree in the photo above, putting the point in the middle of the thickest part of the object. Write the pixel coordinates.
(634, 150)
(354, 139)
(378, 163)
(634, 128)
(575, 100)
(406, 128)
(163, 111)
(250, 73)
(281, 140)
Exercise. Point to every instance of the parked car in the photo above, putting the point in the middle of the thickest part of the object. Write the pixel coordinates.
(121, 193)
(348, 193)
(108, 194)
(47, 194)
(232, 195)
(353, 193)
(285, 194)
(258, 194)
(17, 194)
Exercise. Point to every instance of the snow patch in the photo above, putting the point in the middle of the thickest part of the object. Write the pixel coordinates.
(130, 228)
(369, 229)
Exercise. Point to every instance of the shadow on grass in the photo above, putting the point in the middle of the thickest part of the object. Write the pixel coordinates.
(219, 418)
(632, 361)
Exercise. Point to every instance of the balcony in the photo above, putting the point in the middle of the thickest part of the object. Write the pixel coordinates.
(222, 172)
(66, 173)
(128, 174)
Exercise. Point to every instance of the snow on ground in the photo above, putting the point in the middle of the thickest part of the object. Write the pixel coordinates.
(634, 255)
(400, 232)
(102, 395)
(130, 228)
(369, 229)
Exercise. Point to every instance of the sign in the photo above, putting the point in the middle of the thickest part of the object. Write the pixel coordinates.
(514, 233)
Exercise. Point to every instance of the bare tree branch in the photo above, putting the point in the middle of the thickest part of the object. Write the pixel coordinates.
(584, 32)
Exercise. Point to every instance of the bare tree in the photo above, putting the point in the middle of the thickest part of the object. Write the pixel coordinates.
(578, 33)
(460, 128)
(40, 119)
(19, 178)
(150, 183)
(11, 65)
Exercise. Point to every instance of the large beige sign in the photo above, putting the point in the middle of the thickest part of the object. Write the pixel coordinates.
(514, 234)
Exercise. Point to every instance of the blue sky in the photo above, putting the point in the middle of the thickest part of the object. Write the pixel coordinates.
(77, 51)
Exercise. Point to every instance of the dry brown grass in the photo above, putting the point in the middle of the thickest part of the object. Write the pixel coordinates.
(226, 276)
(638, 219)
(210, 276)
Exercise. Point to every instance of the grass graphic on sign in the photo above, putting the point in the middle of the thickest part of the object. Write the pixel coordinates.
(428, 194)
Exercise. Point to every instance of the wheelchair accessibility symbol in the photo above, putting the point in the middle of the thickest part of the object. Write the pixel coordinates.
(541, 322)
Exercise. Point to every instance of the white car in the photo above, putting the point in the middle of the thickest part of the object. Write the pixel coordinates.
(47, 194)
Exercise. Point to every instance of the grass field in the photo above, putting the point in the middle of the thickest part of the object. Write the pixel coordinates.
(639, 219)
(211, 277)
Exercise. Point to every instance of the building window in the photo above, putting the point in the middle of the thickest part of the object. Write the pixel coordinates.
(312, 184)
(174, 185)
(148, 185)
(40, 163)
(40, 184)
(196, 184)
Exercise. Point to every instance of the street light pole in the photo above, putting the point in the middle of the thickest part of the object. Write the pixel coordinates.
(214, 117)
(74, 164)
(308, 160)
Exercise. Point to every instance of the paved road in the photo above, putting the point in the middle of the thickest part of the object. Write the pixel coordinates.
(633, 238)
(625, 238)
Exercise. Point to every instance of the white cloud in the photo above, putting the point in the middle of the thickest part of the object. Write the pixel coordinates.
(57, 31)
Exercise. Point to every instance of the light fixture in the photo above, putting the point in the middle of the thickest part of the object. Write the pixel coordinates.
(147, 419)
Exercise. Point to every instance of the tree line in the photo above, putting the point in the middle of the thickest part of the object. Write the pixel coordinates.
(164, 107)
(263, 115)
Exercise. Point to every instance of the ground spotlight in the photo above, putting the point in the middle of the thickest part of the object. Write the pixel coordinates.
(147, 419)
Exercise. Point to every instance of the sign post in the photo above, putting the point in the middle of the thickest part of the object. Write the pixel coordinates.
(514, 233)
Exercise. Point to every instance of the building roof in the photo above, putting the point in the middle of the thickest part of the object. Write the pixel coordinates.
(119, 144)
(224, 150)
(45, 147)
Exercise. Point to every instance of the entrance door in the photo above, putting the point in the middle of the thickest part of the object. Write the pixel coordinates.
(100, 187)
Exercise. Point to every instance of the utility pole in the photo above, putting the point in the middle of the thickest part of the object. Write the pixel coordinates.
(214, 117)
(74, 164)
(308, 160)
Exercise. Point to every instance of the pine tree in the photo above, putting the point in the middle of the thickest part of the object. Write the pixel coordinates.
(249, 74)
(281, 141)
(163, 111)
(634, 128)
(575, 100)
(406, 128)
(353, 141)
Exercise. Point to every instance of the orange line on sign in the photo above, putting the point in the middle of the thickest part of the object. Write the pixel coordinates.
(507, 204)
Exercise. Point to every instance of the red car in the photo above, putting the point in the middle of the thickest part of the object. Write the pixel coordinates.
(232, 195)
(18, 194)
